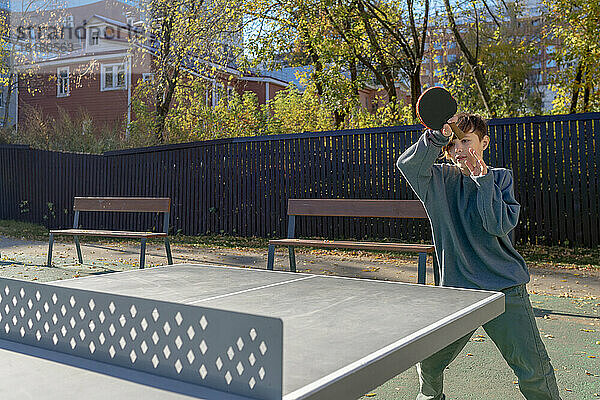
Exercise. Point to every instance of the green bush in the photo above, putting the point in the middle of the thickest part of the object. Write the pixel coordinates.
(191, 119)
(77, 133)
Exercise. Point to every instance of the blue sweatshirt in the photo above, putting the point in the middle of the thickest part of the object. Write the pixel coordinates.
(471, 218)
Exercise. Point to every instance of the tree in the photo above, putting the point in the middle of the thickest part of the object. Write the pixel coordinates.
(396, 42)
(6, 72)
(574, 24)
(471, 55)
(505, 55)
(187, 39)
(31, 31)
(349, 43)
(297, 33)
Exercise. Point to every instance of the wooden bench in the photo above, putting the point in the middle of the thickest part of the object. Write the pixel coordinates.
(117, 204)
(354, 208)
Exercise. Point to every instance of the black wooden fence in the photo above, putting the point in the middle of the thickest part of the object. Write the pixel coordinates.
(240, 186)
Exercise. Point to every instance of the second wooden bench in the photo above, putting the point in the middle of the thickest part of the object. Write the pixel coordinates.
(354, 208)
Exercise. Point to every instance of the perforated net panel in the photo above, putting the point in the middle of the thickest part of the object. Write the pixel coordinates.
(234, 352)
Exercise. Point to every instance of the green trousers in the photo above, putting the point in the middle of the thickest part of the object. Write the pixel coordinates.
(516, 335)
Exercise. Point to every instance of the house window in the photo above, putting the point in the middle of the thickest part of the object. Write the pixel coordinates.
(113, 77)
(62, 82)
(148, 77)
(94, 36)
(217, 94)
(230, 94)
(68, 21)
(1, 98)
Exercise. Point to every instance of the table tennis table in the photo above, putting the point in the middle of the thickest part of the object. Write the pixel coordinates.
(216, 332)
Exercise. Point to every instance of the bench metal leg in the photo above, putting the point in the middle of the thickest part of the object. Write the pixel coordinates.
(436, 270)
(50, 243)
(271, 257)
(78, 246)
(143, 253)
(292, 259)
(421, 268)
(168, 249)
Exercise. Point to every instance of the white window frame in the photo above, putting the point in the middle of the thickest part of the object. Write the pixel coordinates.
(68, 21)
(2, 98)
(94, 36)
(58, 82)
(148, 77)
(104, 67)
(217, 90)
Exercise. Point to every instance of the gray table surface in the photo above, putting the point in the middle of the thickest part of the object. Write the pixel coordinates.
(342, 336)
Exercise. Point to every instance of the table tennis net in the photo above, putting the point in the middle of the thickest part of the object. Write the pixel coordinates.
(234, 352)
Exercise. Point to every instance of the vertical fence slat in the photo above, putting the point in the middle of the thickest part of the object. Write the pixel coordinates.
(574, 182)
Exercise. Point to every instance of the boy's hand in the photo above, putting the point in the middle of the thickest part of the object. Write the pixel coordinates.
(478, 168)
(446, 130)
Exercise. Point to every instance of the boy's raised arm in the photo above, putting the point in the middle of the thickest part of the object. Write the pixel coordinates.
(416, 161)
(496, 203)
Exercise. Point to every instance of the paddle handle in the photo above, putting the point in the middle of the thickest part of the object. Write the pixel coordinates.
(457, 131)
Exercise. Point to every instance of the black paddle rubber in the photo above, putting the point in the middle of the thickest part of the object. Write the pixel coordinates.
(435, 107)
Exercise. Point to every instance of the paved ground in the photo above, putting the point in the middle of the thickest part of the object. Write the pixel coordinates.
(566, 303)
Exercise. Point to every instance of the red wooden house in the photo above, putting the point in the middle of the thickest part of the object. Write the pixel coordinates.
(98, 72)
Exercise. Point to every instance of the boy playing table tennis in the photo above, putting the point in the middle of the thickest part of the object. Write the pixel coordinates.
(472, 210)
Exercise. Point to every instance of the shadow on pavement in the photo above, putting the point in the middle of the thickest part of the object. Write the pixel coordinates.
(542, 312)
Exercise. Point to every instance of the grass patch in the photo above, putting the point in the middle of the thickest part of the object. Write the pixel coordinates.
(535, 255)
(564, 257)
(234, 242)
(23, 230)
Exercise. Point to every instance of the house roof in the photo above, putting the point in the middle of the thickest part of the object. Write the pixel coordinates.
(116, 23)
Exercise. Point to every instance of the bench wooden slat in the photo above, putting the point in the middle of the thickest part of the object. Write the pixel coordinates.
(357, 208)
(107, 233)
(122, 204)
(417, 248)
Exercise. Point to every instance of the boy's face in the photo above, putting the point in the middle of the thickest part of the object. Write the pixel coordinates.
(459, 150)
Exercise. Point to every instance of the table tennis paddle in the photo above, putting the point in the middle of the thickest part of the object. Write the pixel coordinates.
(435, 107)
